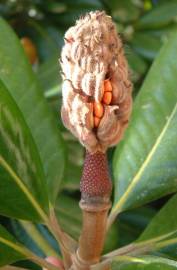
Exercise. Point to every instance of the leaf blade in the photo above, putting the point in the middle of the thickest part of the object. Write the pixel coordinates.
(25, 89)
(146, 263)
(150, 139)
(162, 223)
(25, 190)
(161, 15)
(9, 254)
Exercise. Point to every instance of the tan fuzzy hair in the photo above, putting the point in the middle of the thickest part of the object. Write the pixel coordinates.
(92, 54)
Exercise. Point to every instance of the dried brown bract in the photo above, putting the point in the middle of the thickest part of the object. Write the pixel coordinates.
(96, 89)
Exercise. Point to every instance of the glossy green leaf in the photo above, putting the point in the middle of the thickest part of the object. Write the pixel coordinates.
(75, 159)
(132, 223)
(17, 75)
(23, 237)
(22, 187)
(124, 11)
(164, 222)
(9, 251)
(145, 263)
(48, 74)
(26, 264)
(47, 38)
(145, 164)
(137, 64)
(53, 6)
(83, 4)
(69, 217)
(72, 176)
(146, 45)
(159, 16)
(75, 9)
(35, 237)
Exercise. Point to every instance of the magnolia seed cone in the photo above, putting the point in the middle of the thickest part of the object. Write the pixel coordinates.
(95, 75)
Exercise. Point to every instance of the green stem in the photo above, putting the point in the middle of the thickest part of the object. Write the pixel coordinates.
(165, 243)
(141, 247)
(67, 244)
(37, 237)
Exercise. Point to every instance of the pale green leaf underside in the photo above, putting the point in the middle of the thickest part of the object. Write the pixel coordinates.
(145, 164)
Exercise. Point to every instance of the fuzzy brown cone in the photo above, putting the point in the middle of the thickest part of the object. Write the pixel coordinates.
(93, 53)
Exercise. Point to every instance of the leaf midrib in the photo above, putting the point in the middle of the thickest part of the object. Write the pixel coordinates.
(14, 246)
(21, 185)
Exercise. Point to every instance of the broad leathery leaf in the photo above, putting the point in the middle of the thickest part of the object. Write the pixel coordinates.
(163, 223)
(159, 16)
(25, 264)
(145, 164)
(146, 45)
(35, 237)
(70, 218)
(23, 192)
(8, 254)
(124, 11)
(72, 176)
(17, 75)
(84, 4)
(132, 223)
(145, 263)
(54, 7)
(46, 37)
(49, 77)
(76, 9)
(137, 64)
(23, 237)
(75, 159)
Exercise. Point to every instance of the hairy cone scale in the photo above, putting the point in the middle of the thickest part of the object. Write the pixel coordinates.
(96, 88)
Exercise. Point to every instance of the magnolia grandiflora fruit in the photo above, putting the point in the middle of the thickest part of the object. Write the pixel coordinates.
(96, 89)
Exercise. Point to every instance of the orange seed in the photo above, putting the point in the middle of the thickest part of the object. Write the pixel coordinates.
(98, 109)
(96, 121)
(107, 86)
(107, 97)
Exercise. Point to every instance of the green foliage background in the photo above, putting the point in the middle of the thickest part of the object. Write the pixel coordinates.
(41, 161)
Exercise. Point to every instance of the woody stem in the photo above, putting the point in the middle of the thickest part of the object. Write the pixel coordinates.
(95, 203)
